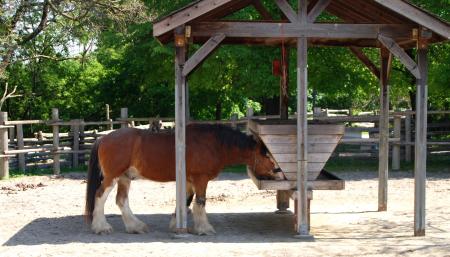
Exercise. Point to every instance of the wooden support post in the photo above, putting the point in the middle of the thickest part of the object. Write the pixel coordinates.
(420, 164)
(383, 166)
(75, 143)
(4, 161)
(284, 196)
(108, 118)
(302, 126)
(20, 146)
(124, 117)
(408, 137)
(396, 147)
(56, 162)
(180, 131)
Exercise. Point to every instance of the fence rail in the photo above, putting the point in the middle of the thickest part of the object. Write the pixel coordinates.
(70, 148)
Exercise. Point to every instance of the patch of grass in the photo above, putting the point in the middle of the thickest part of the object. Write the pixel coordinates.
(43, 172)
(435, 163)
(236, 169)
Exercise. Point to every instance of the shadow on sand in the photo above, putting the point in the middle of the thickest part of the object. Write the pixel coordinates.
(230, 227)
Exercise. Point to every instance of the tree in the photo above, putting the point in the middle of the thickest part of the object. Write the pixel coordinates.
(73, 20)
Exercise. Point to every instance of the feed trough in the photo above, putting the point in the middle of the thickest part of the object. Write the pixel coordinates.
(280, 137)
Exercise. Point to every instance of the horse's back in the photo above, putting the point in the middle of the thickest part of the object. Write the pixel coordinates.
(141, 152)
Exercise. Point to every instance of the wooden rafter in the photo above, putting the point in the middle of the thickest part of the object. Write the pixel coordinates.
(201, 54)
(287, 10)
(318, 8)
(179, 18)
(265, 14)
(398, 52)
(417, 15)
(292, 30)
(365, 60)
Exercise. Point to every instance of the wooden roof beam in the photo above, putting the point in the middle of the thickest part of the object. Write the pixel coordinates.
(417, 15)
(198, 57)
(365, 60)
(294, 30)
(318, 8)
(185, 15)
(287, 10)
(265, 14)
(398, 52)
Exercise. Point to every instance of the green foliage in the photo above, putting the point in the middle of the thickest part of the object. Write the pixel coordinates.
(129, 68)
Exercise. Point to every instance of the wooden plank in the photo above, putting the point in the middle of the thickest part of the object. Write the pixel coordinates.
(290, 139)
(420, 164)
(123, 116)
(20, 146)
(291, 129)
(292, 148)
(184, 16)
(396, 147)
(312, 175)
(398, 52)
(383, 166)
(56, 156)
(265, 14)
(415, 14)
(198, 57)
(292, 167)
(292, 157)
(238, 29)
(365, 60)
(291, 185)
(318, 8)
(4, 164)
(287, 10)
(180, 136)
(408, 138)
(75, 145)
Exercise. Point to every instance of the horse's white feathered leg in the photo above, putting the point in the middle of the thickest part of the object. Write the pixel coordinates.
(201, 223)
(99, 223)
(132, 224)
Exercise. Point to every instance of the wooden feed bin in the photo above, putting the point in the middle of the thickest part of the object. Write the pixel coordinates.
(280, 137)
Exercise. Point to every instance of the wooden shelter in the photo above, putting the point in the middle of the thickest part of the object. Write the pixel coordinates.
(390, 25)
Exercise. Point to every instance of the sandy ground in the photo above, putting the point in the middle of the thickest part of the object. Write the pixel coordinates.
(41, 216)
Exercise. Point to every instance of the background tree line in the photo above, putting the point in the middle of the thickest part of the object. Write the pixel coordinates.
(80, 55)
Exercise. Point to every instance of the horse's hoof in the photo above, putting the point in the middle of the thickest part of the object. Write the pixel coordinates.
(204, 230)
(104, 229)
(138, 228)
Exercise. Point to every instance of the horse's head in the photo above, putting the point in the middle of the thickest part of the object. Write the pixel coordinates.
(264, 165)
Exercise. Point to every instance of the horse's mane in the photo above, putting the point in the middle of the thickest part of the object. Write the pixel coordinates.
(228, 136)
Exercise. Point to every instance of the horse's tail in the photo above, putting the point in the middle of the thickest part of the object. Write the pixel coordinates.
(94, 180)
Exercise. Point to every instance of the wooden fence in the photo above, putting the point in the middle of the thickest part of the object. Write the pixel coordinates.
(53, 148)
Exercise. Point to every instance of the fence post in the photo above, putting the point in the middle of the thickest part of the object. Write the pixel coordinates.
(408, 137)
(12, 135)
(20, 146)
(249, 115)
(124, 117)
(76, 142)
(82, 141)
(4, 165)
(234, 118)
(396, 146)
(56, 163)
(108, 118)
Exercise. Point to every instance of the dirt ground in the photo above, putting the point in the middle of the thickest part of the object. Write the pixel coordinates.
(41, 216)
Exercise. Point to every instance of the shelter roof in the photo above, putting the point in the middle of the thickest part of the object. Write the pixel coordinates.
(201, 13)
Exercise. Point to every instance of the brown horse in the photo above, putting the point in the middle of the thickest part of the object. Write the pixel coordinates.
(133, 153)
